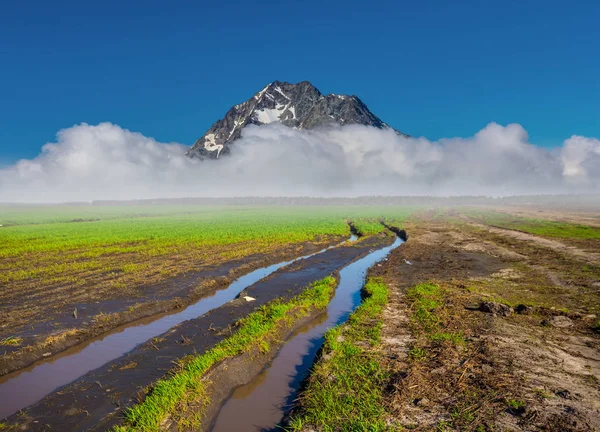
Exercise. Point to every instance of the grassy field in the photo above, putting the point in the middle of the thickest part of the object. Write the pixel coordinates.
(56, 255)
(57, 244)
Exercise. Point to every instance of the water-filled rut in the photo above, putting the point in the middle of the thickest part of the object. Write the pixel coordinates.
(96, 400)
(261, 404)
(25, 387)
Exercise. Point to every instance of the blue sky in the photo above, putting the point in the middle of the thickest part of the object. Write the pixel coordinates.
(170, 69)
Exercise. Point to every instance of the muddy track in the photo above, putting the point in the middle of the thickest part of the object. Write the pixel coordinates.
(152, 300)
(571, 251)
(398, 231)
(240, 370)
(95, 401)
(547, 359)
(266, 398)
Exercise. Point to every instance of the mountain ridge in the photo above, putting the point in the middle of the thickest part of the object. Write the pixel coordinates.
(299, 106)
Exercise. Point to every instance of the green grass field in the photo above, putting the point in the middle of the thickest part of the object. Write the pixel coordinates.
(59, 254)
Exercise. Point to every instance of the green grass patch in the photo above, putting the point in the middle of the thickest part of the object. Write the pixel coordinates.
(172, 395)
(417, 353)
(368, 226)
(455, 338)
(515, 404)
(345, 389)
(541, 227)
(426, 298)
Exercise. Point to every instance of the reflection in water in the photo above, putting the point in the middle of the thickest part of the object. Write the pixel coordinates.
(261, 404)
(255, 385)
(27, 386)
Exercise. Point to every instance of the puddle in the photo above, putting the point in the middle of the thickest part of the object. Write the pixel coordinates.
(261, 404)
(22, 388)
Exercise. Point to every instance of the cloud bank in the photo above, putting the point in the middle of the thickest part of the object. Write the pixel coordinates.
(107, 162)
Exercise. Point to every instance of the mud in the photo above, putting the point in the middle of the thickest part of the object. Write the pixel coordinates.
(59, 331)
(94, 401)
(543, 356)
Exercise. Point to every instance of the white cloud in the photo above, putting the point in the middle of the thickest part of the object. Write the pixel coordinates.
(108, 162)
(580, 157)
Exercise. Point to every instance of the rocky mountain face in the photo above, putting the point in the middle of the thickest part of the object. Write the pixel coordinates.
(300, 106)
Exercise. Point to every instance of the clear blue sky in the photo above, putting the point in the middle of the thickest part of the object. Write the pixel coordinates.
(170, 69)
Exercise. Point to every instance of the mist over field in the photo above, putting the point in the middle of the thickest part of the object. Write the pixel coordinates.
(108, 162)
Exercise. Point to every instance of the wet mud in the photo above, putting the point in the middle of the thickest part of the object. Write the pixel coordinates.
(262, 403)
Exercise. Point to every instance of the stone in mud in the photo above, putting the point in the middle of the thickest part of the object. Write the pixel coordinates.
(559, 321)
(422, 402)
(524, 309)
(72, 411)
(487, 369)
(495, 308)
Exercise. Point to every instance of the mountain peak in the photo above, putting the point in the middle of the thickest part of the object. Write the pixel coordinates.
(301, 106)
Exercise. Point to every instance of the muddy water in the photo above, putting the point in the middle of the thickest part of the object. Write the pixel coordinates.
(261, 404)
(25, 387)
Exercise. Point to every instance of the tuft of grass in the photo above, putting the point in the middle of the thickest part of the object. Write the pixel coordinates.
(345, 389)
(172, 396)
(464, 416)
(417, 353)
(455, 338)
(11, 341)
(541, 394)
(596, 327)
(515, 405)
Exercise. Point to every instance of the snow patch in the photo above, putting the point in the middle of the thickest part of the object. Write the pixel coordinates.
(293, 111)
(211, 145)
(278, 89)
(235, 126)
(268, 115)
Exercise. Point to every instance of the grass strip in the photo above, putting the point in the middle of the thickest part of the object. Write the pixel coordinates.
(172, 396)
(345, 388)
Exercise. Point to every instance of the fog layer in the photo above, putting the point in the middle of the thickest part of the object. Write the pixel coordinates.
(107, 162)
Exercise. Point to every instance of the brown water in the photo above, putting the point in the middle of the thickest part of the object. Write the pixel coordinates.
(261, 404)
(27, 386)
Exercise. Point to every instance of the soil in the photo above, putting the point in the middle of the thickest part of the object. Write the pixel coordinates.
(95, 401)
